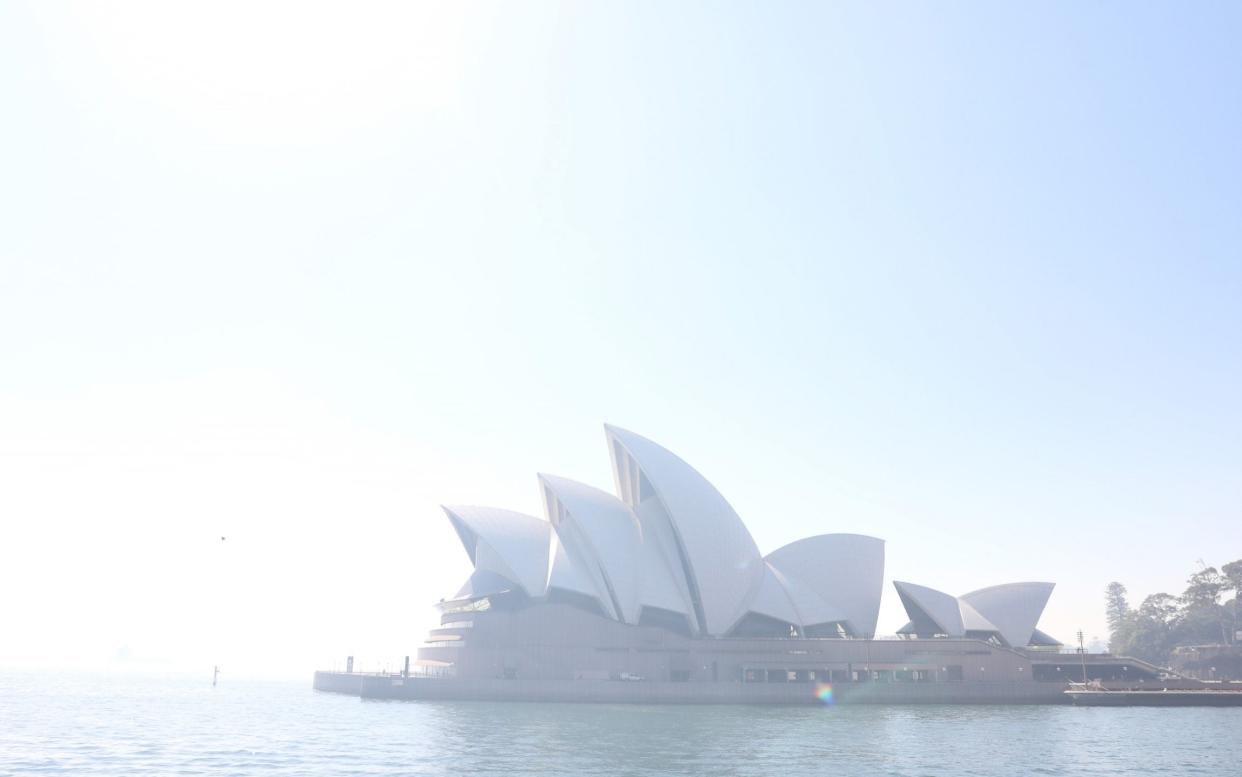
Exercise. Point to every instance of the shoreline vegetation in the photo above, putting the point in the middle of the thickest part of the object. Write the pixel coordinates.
(1206, 613)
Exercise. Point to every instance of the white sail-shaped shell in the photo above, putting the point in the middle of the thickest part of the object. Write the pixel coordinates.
(931, 610)
(813, 609)
(1014, 608)
(773, 601)
(845, 570)
(564, 575)
(1010, 612)
(511, 544)
(721, 565)
(602, 537)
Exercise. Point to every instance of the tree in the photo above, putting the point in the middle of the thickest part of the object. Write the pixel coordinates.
(1159, 608)
(1120, 618)
(1201, 600)
(1163, 622)
(1117, 608)
(1233, 574)
(1204, 588)
(1155, 628)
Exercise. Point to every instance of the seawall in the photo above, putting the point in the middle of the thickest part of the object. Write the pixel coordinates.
(395, 687)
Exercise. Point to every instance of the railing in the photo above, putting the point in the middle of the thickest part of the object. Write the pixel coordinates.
(417, 672)
(459, 605)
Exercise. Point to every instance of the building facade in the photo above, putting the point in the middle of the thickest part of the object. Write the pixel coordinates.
(658, 592)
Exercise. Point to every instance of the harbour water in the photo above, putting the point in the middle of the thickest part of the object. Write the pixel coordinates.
(125, 724)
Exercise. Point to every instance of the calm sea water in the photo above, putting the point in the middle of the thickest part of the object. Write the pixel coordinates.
(126, 725)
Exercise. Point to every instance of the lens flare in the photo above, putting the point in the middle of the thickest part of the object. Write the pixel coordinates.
(823, 692)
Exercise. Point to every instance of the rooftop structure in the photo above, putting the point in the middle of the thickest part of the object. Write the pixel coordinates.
(1006, 613)
(669, 549)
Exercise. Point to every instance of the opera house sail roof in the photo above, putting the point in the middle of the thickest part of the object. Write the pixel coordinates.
(655, 592)
(1006, 613)
(669, 548)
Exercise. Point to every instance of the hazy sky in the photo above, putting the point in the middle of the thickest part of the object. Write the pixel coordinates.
(963, 276)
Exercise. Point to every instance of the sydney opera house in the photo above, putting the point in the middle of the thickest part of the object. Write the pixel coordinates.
(659, 593)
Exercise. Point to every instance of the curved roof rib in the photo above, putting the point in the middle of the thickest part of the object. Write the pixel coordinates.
(846, 571)
(973, 620)
(510, 544)
(718, 558)
(930, 611)
(603, 538)
(812, 608)
(564, 574)
(1014, 608)
(662, 584)
(774, 601)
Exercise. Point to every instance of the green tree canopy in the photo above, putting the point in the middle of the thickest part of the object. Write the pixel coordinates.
(1163, 621)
